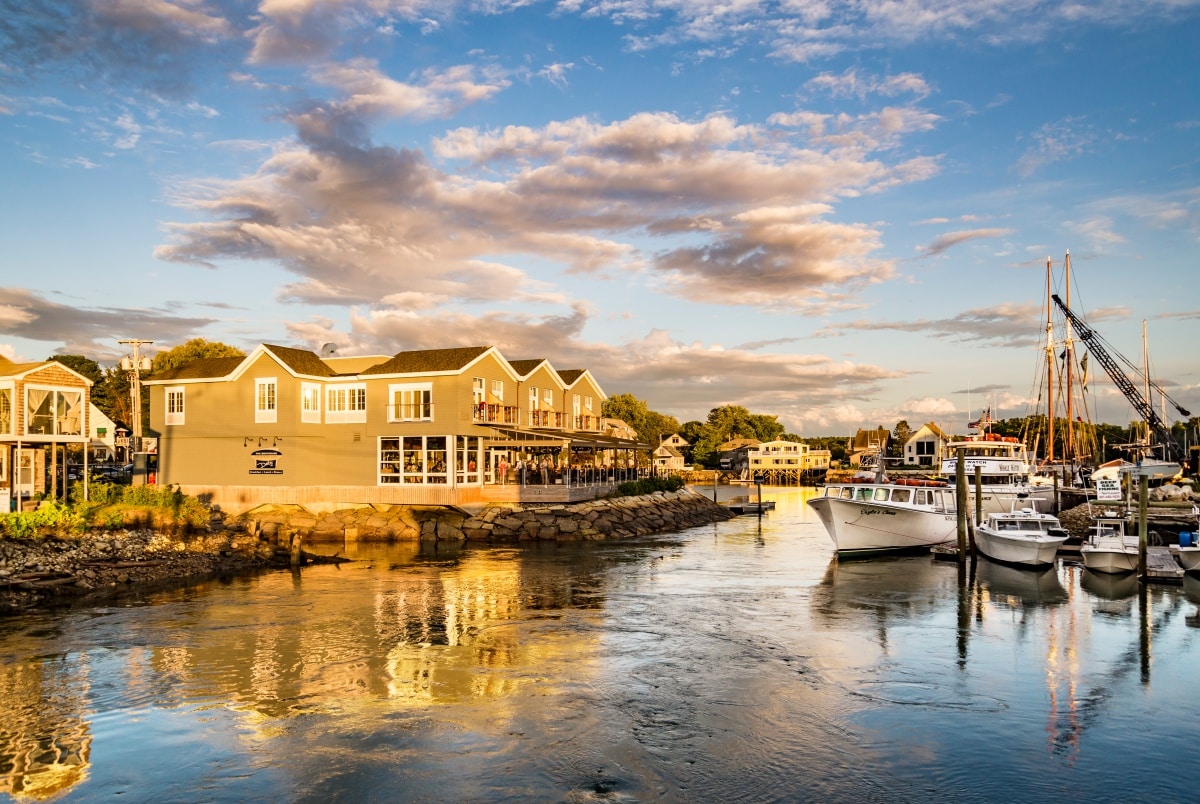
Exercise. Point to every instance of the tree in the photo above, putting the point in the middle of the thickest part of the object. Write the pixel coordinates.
(650, 426)
(81, 365)
(195, 349)
(900, 436)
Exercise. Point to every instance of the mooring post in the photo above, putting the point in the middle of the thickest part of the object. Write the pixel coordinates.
(294, 548)
(1143, 504)
(978, 495)
(960, 502)
(760, 505)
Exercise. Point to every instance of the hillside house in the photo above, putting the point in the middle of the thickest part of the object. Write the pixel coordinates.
(924, 446)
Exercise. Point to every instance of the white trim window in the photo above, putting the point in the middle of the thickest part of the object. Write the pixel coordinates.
(498, 390)
(345, 404)
(266, 400)
(587, 403)
(478, 395)
(533, 399)
(548, 398)
(53, 411)
(174, 402)
(310, 403)
(576, 404)
(7, 418)
(414, 460)
(410, 402)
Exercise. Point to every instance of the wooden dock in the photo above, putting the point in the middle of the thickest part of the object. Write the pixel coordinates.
(1161, 566)
(746, 506)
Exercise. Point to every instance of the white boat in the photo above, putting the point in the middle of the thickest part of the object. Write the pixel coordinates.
(1189, 558)
(1188, 552)
(1004, 476)
(877, 516)
(1109, 548)
(1022, 537)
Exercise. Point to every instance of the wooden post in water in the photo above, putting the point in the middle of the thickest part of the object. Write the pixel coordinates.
(960, 502)
(978, 495)
(295, 551)
(1143, 504)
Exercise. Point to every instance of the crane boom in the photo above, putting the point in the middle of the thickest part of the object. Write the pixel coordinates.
(1140, 404)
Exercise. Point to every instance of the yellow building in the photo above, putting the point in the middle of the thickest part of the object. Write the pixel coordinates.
(435, 427)
(787, 462)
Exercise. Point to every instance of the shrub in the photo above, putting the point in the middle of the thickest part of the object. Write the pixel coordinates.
(648, 485)
(48, 520)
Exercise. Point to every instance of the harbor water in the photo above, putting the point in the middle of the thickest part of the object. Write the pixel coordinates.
(732, 662)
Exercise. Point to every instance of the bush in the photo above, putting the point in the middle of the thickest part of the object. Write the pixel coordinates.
(48, 520)
(111, 506)
(648, 485)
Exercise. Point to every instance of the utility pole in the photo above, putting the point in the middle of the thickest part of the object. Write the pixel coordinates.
(135, 364)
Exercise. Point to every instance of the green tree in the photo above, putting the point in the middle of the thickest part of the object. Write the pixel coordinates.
(650, 426)
(728, 422)
(195, 349)
(81, 365)
(900, 435)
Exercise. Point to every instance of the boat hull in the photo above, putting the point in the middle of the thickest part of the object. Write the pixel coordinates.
(1020, 550)
(1109, 558)
(1189, 558)
(865, 528)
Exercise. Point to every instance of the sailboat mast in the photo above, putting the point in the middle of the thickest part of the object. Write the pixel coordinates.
(1146, 371)
(1069, 448)
(1049, 371)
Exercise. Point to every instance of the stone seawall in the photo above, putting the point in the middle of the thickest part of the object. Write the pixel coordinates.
(615, 518)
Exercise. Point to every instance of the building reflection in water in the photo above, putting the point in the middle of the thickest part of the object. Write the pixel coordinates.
(438, 630)
(45, 740)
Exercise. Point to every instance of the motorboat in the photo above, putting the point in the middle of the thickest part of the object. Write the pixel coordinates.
(868, 515)
(1188, 553)
(1004, 472)
(1023, 537)
(1109, 547)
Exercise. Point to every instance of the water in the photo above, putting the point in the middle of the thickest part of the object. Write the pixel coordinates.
(734, 662)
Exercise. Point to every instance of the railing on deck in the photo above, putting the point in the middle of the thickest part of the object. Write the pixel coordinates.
(486, 413)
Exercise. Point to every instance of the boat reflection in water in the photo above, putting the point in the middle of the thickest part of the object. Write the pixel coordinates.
(1030, 587)
(1108, 585)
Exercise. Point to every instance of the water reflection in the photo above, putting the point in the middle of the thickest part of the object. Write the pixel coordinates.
(45, 740)
(738, 661)
(1018, 586)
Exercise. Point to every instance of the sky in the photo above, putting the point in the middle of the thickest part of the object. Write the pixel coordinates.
(839, 213)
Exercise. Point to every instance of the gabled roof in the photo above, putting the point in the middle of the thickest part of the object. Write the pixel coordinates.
(203, 369)
(738, 443)
(426, 361)
(667, 449)
(18, 370)
(865, 439)
(569, 376)
(933, 430)
(301, 361)
(526, 367)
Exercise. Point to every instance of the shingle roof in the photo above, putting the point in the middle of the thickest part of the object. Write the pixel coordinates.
(569, 376)
(428, 360)
(523, 367)
(204, 368)
(301, 361)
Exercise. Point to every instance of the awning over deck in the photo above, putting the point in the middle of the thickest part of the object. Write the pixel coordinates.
(542, 438)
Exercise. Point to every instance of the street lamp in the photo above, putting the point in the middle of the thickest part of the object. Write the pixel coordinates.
(135, 364)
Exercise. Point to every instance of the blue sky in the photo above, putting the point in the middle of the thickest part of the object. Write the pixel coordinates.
(839, 213)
